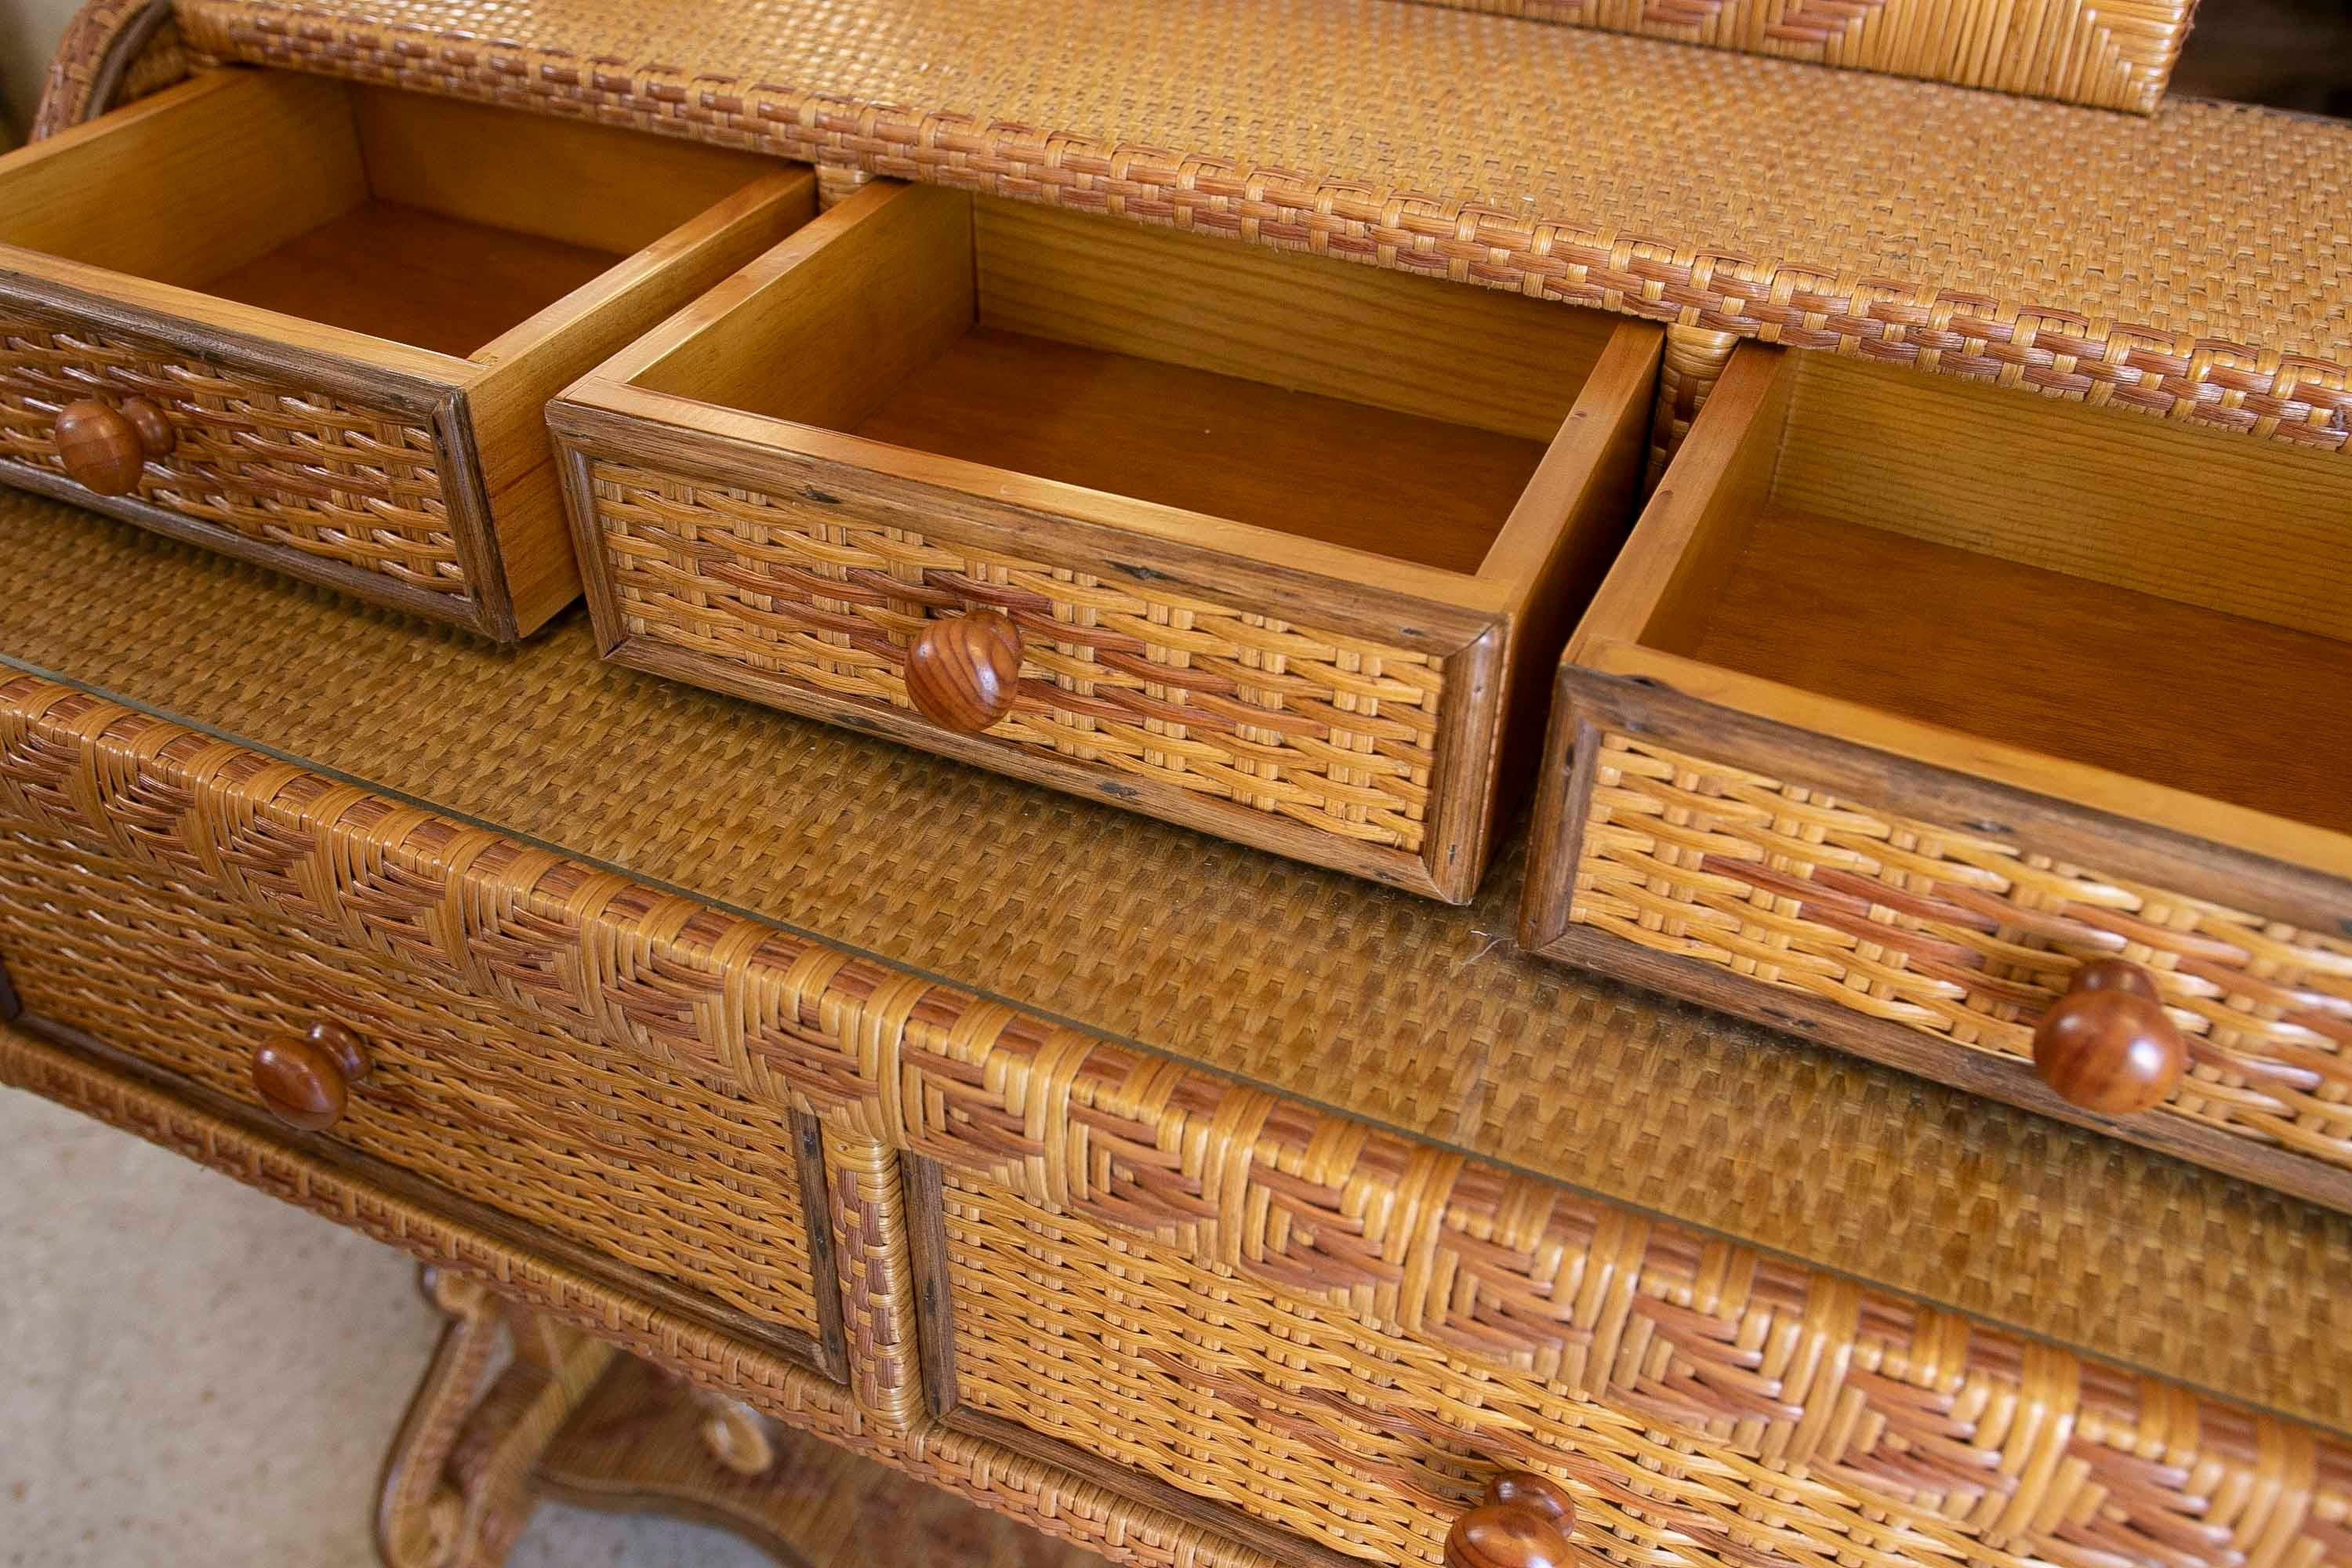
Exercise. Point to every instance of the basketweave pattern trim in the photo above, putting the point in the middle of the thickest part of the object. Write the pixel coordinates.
(112, 52)
(2112, 54)
(1508, 1275)
(1039, 1495)
(683, 1181)
(270, 461)
(2018, 342)
(1337, 732)
(1960, 935)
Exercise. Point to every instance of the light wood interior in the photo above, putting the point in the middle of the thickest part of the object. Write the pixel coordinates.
(2158, 602)
(1340, 404)
(426, 221)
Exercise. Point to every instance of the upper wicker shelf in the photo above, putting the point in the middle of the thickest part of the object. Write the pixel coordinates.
(2115, 54)
(2192, 263)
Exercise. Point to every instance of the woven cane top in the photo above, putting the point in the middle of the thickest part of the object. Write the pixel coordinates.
(2196, 262)
(1370, 1002)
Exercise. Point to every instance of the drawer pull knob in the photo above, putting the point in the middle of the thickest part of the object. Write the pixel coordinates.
(2107, 1044)
(306, 1079)
(962, 673)
(1523, 1522)
(104, 448)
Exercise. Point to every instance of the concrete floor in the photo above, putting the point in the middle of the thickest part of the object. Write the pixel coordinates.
(194, 1374)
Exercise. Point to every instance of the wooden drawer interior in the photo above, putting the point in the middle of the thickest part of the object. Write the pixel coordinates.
(1281, 534)
(438, 224)
(2113, 594)
(1316, 401)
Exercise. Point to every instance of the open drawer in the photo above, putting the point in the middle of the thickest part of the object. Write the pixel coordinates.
(2005, 741)
(315, 325)
(1262, 544)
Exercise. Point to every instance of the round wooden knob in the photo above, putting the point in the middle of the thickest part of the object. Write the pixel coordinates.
(104, 448)
(306, 1080)
(1524, 1521)
(962, 673)
(2107, 1044)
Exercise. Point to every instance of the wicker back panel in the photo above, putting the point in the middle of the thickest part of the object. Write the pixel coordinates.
(268, 460)
(1879, 1449)
(2117, 54)
(1960, 936)
(1334, 731)
(157, 954)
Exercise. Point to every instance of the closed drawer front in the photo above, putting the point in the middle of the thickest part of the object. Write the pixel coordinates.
(190, 935)
(1259, 543)
(1698, 1406)
(314, 324)
(2005, 745)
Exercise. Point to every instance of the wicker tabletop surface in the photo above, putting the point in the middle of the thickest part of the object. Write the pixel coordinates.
(1368, 1001)
(2196, 262)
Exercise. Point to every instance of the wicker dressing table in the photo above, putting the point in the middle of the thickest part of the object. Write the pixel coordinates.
(1196, 1205)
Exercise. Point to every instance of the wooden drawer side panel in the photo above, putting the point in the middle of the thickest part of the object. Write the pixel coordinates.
(1959, 936)
(675, 1177)
(1334, 731)
(269, 462)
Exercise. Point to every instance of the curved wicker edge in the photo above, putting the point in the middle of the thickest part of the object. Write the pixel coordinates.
(112, 51)
(1730, 1352)
(1036, 1493)
(2013, 342)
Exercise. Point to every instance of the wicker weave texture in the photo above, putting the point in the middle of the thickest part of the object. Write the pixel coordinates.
(1333, 731)
(2116, 55)
(1331, 992)
(2199, 273)
(139, 936)
(1038, 1494)
(1876, 1446)
(112, 52)
(1959, 935)
(1600, 1315)
(268, 460)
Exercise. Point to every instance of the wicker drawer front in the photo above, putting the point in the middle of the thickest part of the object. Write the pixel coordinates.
(264, 459)
(1908, 763)
(1098, 505)
(1740, 1414)
(314, 325)
(682, 1182)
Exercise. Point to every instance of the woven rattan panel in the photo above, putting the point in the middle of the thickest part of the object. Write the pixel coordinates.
(173, 954)
(1366, 1441)
(272, 462)
(2083, 51)
(1375, 1003)
(2191, 264)
(1694, 858)
(1335, 732)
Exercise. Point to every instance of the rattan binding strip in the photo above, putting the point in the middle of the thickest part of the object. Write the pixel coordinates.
(112, 52)
(2242, 337)
(1753, 1361)
(2113, 54)
(1959, 935)
(1037, 1494)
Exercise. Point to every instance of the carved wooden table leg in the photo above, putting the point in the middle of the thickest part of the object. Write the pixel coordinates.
(516, 1408)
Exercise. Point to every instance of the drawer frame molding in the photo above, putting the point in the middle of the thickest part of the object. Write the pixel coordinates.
(1736, 1359)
